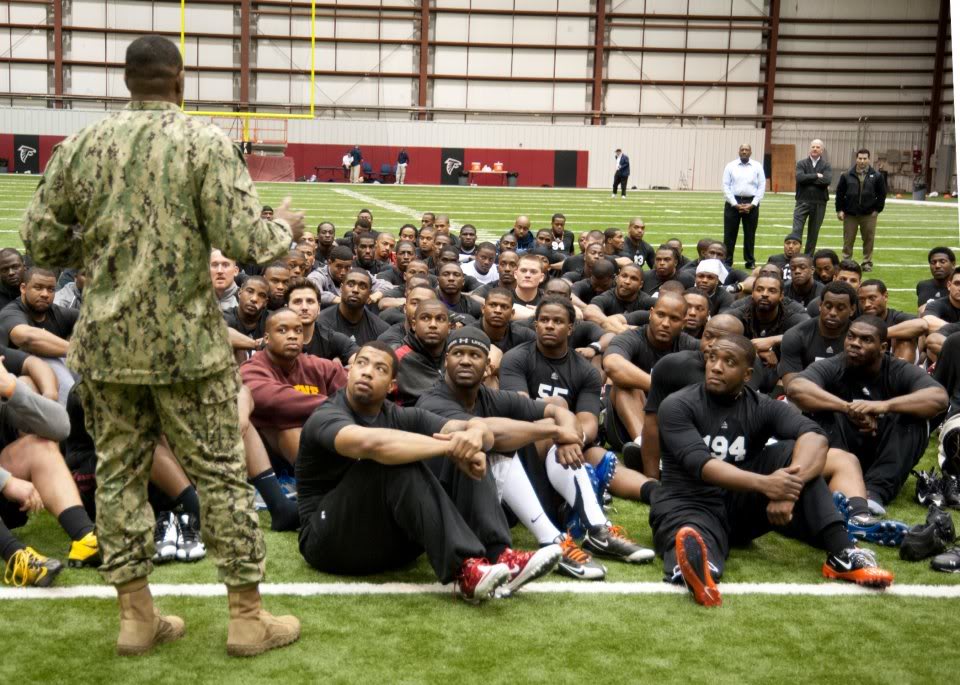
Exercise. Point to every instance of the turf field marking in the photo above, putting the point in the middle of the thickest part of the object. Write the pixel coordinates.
(344, 589)
(385, 204)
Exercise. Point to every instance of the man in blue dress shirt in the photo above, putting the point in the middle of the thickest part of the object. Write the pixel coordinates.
(743, 186)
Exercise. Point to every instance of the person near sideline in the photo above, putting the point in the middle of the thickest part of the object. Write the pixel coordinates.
(814, 176)
(743, 186)
(621, 172)
(403, 159)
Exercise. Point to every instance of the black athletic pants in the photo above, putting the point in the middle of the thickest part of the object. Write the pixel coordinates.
(731, 229)
(383, 517)
(887, 457)
(742, 516)
(620, 180)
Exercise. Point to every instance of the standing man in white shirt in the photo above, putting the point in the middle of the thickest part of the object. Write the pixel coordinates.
(814, 175)
(743, 186)
(621, 172)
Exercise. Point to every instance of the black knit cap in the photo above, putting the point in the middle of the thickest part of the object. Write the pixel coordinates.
(471, 336)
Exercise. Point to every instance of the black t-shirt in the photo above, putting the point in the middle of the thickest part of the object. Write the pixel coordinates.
(634, 346)
(696, 426)
(803, 298)
(895, 316)
(8, 295)
(259, 328)
(331, 345)
(320, 467)
(679, 370)
(395, 335)
(942, 308)
(573, 378)
(929, 291)
(362, 332)
(781, 261)
(652, 282)
(641, 317)
(393, 276)
(13, 360)
(894, 379)
(574, 263)
(564, 243)
(610, 304)
(813, 308)
(803, 345)
(642, 254)
(720, 300)
(532, 303)
(58, 320)
(584, 334)
(516, 334)
(500, 403)
(786, 319)
(466, 305)
(584, 290)
(947, 371)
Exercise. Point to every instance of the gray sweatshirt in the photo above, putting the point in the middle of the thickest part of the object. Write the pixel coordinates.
(29, 412)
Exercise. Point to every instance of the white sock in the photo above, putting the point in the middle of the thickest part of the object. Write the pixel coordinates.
(567, 482)
(518, 494)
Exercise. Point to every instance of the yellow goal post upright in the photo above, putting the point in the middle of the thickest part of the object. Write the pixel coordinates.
(268, 128)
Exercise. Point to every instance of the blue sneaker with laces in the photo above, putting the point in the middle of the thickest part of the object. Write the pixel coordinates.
(602, 474)
(870, 528)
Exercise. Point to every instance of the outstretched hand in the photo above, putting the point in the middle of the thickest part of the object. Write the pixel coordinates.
(294, 217)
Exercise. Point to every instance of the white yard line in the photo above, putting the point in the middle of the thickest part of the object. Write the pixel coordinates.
(354, 589)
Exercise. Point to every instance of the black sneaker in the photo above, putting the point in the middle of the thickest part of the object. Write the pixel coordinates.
(189, 545)
(948, 562)
(928, 488)
(856, 566)
(930, 538)
(944, 522)
(612, 541)
(950, 489)
(165, 534)
(695, 569)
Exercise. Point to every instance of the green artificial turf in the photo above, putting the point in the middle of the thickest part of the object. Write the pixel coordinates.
(535, 638)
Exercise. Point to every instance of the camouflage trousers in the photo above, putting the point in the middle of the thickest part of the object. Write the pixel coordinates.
(200, 420)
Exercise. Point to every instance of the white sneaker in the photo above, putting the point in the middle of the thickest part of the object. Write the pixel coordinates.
(165, 535)
(189, 545)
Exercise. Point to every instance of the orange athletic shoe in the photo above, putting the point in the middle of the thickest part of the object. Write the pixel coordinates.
(693, 562)
(857, 566)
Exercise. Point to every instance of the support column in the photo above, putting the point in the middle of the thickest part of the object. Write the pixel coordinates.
(424, 58)
(936, 94)
(598, 45)
(58, 52)
(771, 74)
(244, 55)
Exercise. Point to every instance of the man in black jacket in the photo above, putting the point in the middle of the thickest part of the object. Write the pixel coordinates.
(814, 175)
(861, 194)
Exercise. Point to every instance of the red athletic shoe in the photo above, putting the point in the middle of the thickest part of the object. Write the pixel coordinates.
(693, 562)
(479, 579)
(527, 566)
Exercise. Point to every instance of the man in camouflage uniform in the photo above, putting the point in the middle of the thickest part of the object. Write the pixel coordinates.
(138, 200)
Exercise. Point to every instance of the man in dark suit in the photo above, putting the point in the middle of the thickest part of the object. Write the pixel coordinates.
(814, 175)
(621, 173)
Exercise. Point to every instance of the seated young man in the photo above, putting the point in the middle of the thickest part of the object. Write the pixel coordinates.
(351, 317)
(903, 330)
(329, 277)
(709, 277)
(507, 264)
(34, 324)
(422, 353)
(482, 267)
(698, 311)
(393, 273)
(468, 243)
(245, 323)
(723, 483)
(418, 290)
(34, 476)
(826, 262)
(600, 281)
(666, 267)
(848, 271)
(628, 361)
(496, 321)
(450, 278)
(873, 406)
(303, 298)
(277, 275)
(592, 255)
(223, 271)
(556, 437)
(942, 261)
(791, 248)
(635, 247)
(802, 286)
(625, 297)
(287, 385)
(937, 313)
(766, 317)
(363, 474)
(12, 269)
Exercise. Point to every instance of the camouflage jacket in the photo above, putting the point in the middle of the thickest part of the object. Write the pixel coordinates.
(138, 200)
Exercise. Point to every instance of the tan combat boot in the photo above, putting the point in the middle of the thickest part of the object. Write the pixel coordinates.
(252, 630)
(141, 625)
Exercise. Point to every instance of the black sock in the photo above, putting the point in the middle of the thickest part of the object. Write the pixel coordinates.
(189, 502)
(857, 506)
(284, 514)
(9, 545)
(75, 522)
(646, 490)
(835, 538)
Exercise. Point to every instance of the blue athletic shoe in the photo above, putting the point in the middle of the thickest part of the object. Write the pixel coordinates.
(602, 474)
(572, 524)
(869, 528)
(843, 507)
(288, 484)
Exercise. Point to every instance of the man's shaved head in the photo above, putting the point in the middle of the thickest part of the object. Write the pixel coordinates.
(152, 57)
(725, 324)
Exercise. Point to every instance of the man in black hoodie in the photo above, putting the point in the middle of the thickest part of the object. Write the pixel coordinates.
(861, 194)
(421, 355)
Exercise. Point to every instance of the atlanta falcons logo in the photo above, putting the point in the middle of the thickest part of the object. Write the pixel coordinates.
(453, 165)
(26, 152)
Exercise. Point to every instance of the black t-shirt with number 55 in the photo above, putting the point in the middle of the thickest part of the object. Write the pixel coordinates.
(526, 369)
(696, 426)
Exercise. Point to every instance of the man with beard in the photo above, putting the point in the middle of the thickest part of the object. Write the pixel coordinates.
(11, 275)
(393, 274)
(351, 316)
(561, 240)
(223, 271)
(872, 405)
(367, 256)
(592, 255)
(277, 275)
(725, 482)
(287, 385)
(819, 338)
(903, 329)
(635, 247)
(625, 297)
(496, 321)
(309, 252)
(802, 286)
(791, 248)
(303, 299)
(710, 275)
(521, 231)
(450, 280)
(247, 322)
(666, 262)
(825, 264)
(326, 241)
(417, 292)
(698, 311)
(329, 278)
(942, 262)
(426, 243)
(765, 318)
(613, 243)
(384, 247)
(468, 243)
(422, 352)
(483, 266)
(628, 361)
(576, 263)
